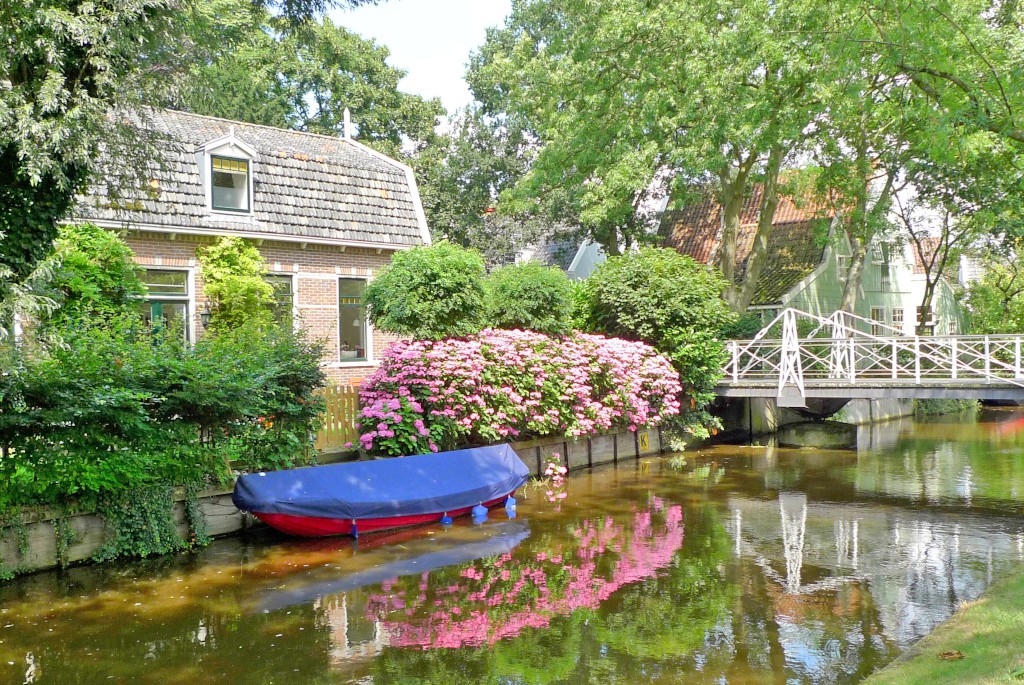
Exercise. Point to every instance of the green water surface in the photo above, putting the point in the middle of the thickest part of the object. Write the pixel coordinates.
(746, 565)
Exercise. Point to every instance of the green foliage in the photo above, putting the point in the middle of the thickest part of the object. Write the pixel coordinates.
(117, 407)
(935, 407)
(996, 302)
(670, 301)
(429, 293)
(233, 271)
(140, 522)
(531, 297)
(63, 536)
(97, 274)
(256, 66)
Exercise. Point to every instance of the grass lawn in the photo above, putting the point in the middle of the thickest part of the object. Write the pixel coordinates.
(990, 635)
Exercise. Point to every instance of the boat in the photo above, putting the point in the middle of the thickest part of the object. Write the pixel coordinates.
(362, 496)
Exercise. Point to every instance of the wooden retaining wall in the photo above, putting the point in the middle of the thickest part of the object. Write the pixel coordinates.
(222, 518)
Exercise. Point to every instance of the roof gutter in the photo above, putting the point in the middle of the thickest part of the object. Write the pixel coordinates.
(252, 235)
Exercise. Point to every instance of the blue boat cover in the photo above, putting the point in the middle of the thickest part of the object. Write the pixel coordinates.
(404, 486)
(496, 539)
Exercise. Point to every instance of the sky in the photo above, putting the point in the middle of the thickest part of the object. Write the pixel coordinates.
(429, 39)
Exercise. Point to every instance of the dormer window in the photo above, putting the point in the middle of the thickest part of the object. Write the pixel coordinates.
(230, 183)
(226, 168)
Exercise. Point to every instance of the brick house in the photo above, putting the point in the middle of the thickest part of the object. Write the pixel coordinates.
(326, 213)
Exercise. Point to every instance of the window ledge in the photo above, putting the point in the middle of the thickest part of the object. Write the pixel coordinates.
(355, 363)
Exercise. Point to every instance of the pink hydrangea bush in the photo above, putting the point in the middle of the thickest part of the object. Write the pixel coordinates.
(503, 385)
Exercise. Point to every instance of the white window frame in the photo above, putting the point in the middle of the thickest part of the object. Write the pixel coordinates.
(369, 360)
(248, 183)
(222, 147)
(843, 266)
(898, 321)
(189, 299)
(878, 324)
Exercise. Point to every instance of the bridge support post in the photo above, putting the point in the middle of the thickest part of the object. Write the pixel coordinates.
(1016, 358)
(917, 359)
(952, 356)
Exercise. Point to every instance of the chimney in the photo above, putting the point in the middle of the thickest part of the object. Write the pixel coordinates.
(348, 125)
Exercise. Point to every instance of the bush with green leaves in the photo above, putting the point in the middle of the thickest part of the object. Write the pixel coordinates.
(530, 297)
(96, 274)
(673, 303)
(233, 279)
(430, 293)
(118, 406)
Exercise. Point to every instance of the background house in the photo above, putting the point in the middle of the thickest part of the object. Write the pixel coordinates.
(808, 264)
(326, 213)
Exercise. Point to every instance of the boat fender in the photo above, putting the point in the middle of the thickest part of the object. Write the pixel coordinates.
(479, 510)
(446, 520)
(510, 507)
(355, 529)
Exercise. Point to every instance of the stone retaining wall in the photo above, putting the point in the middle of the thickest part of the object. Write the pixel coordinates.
(222, 518)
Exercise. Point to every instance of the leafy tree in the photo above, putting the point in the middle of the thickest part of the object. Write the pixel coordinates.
(233, 271)
(532, 297)
(672, 302)
(268, 69)
(66, 66)
(96, 276)
(430, 293)
(625, 96)
(996, 302)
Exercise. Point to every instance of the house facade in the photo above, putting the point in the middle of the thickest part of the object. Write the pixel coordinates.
(326, 213)
(808, 265)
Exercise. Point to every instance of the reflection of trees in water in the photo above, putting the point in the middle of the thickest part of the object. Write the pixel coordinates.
(969, 465)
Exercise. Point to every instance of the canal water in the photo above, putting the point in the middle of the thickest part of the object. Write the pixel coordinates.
(743, 565)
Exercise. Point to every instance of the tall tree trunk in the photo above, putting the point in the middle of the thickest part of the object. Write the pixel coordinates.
(856, 273)
(765, 221)
(731, 200)
(922, 326)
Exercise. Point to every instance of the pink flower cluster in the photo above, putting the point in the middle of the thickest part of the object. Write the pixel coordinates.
(499, 385)
(509, 595)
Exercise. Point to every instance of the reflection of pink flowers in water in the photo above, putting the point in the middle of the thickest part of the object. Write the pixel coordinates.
(494, 604)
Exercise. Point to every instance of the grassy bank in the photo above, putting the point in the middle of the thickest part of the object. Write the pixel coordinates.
(988, 632)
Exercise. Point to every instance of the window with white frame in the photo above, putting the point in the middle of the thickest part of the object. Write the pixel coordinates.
(353, 335)
(166, 303)
(897, 318)
(843, 266)
(229, 183)
(284, 296)
(878, 317)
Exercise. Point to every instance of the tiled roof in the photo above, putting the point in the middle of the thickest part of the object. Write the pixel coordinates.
(306, 186)
(793, 248)
(929, 244)
(557, 252)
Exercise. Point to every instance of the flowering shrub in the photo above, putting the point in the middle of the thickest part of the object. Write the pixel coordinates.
(499, 385)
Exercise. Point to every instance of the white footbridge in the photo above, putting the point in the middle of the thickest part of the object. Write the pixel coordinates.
(845, 356)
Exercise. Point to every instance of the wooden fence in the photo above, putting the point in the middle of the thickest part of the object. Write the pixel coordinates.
(339, 419)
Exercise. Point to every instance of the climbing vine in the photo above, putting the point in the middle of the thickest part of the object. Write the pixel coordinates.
(194, 516)
(139, 523)
(64, 536)
(13, 523)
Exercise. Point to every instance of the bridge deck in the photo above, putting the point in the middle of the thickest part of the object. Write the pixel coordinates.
(873, 389)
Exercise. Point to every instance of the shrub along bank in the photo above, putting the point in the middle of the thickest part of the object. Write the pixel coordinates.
(100, 410)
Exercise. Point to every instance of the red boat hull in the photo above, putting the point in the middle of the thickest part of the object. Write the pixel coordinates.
(313, 526)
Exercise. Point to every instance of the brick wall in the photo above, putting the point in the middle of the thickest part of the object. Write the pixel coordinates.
(315, 270)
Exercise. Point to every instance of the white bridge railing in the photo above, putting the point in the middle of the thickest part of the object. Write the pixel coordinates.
(837, 349)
